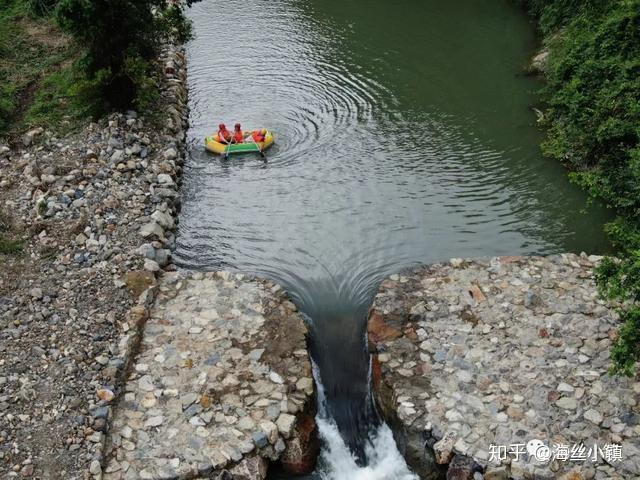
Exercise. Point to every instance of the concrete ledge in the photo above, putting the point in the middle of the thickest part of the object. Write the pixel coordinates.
(503, 351)
(222, 383)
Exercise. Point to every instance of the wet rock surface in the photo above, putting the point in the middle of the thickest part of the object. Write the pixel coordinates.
(504, 352)
(222, 383)
(95, 212)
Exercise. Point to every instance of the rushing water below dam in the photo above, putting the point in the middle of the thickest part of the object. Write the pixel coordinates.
(404, 134)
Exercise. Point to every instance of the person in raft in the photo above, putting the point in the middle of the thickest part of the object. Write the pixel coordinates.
(259, 135)
(224, 136)
(238, 136)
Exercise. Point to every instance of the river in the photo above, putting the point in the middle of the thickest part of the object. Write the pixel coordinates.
(404, 134)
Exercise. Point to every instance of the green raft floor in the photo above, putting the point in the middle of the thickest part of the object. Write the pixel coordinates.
(242, 147)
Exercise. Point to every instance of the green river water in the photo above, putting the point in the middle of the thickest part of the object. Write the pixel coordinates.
(404, 135)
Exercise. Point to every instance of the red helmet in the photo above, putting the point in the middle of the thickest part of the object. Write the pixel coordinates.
(222, 126)
(237, 126)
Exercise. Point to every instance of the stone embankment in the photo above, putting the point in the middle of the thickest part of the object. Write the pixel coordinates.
(222, 385)
(96, 211)
(485, 368)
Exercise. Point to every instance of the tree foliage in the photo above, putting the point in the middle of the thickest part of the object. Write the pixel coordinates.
(593, 120)
(120, 37)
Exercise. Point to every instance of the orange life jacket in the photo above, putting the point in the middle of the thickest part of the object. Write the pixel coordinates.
(224, 135)
(238, 137)
(258, 136)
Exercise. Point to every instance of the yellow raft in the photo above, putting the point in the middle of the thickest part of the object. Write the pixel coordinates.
(213, 145)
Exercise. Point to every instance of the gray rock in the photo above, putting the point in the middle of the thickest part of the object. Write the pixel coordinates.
(532, 300)
(567, 403)
(170, 154)
(154, 421)
(260, 438)
(36, 293)
(151, 265)
(116, 157)
(192, 410)
(163, 219)
(95, 468)
(146, 250)
(165, 180)
(593, 416)
(163, 256)
(151, 229)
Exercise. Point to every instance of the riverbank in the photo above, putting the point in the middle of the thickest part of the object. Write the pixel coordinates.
(93, 215)
(591, 117)
(473, 353)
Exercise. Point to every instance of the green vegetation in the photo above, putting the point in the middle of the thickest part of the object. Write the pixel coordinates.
(35, 69)
(593, 122)
(47, 79)
(120, 37)
(8, 243)
(9, 246)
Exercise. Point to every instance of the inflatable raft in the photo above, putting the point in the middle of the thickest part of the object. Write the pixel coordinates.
(213, 145)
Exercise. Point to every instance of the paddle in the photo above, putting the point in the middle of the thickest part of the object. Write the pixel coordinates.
(226, 153)
(264, 157)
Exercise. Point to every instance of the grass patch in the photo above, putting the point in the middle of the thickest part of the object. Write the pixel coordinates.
(8, 243)
(8, 246)
(55, 103)
(36, 71)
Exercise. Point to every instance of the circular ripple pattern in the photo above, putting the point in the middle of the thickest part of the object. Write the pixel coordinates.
(403, 135)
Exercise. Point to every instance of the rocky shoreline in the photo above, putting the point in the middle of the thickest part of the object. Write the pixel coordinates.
(96, 211)
(471, 356)
(94, 288)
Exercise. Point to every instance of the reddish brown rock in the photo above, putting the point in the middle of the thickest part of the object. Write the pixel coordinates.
(477, 294)
(302, 450)
(379, 331)
(376, 371)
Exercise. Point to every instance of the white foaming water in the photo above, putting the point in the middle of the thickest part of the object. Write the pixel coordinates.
(384, 461)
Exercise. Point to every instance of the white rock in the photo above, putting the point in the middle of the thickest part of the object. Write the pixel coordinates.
(165, 179)
(170, 154)
(275, 378)
(163, 219)
(117, 156)
(565, 387)
(456, 262)
(285, 424)
(593, 416)
(151, 229)
(154, 421)
(95, 468)
(146, 383)
(151, 265)
(567, 403)
(270, 429)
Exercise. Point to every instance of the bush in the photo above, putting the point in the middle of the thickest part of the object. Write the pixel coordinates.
(593, 120)
(121, 37)
(43, 7)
